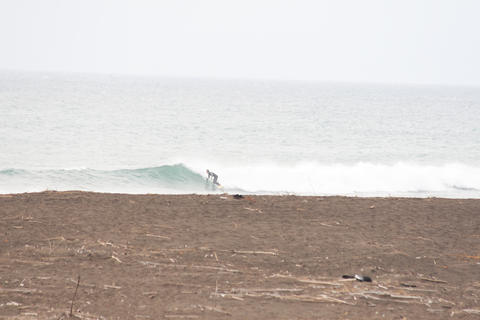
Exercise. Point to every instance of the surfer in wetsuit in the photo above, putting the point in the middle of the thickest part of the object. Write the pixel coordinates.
(213, 176)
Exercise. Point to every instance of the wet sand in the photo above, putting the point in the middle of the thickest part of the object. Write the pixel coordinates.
(216, 257)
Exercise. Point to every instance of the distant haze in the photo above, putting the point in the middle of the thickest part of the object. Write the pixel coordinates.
(408, 41)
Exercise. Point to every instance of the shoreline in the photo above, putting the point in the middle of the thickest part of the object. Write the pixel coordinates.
(231, 194)
(258, 257)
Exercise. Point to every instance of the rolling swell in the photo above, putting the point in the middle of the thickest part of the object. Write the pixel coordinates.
(175, 178)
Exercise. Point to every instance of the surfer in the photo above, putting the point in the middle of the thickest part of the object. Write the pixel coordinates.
(213, 176)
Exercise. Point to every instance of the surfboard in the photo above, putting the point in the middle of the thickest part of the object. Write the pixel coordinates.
(210, 184)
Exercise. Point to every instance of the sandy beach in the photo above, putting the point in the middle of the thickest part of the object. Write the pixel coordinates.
(257, 257)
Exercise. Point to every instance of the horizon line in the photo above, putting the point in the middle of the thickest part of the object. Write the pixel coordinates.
(238, 78)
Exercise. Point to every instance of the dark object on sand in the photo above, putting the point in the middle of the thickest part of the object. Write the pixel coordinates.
(357, 277)
(408, 285)
(237, 196)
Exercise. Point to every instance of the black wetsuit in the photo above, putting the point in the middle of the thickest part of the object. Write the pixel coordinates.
(214, 176)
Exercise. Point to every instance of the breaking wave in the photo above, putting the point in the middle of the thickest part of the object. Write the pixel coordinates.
(361, 179)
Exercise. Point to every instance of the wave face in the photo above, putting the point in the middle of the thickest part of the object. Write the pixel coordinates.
(361, 179)
(164, 179)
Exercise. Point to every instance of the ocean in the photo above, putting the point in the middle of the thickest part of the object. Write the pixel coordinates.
(133, 134)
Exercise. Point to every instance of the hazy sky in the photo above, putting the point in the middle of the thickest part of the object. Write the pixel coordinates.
(401, 41)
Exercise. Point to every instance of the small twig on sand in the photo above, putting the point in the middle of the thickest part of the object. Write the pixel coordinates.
(11, 217)
(162, 226)
(157, 236)
(433, 280)
(216, 292)
(88, 285)
(472, 311)
(116, 259)
(326, 225)
(217, 268)
(387, 296)
(74, 296)
(215, 309)
(425, 239)
(18, 290)
(275, 290)
(414, 289)
(302, 298)
(107, 286)
(306, 280)
(33, 262)
(254, 252)
(231, 295)
(61, 238)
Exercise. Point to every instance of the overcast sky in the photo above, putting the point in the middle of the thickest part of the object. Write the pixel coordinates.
(401, 41)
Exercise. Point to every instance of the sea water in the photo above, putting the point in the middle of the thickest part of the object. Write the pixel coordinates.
(133, 134)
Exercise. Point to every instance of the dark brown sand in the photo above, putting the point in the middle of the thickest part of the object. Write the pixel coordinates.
(216, 257)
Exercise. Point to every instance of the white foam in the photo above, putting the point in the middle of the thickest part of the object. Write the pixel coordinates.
(450, 180)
